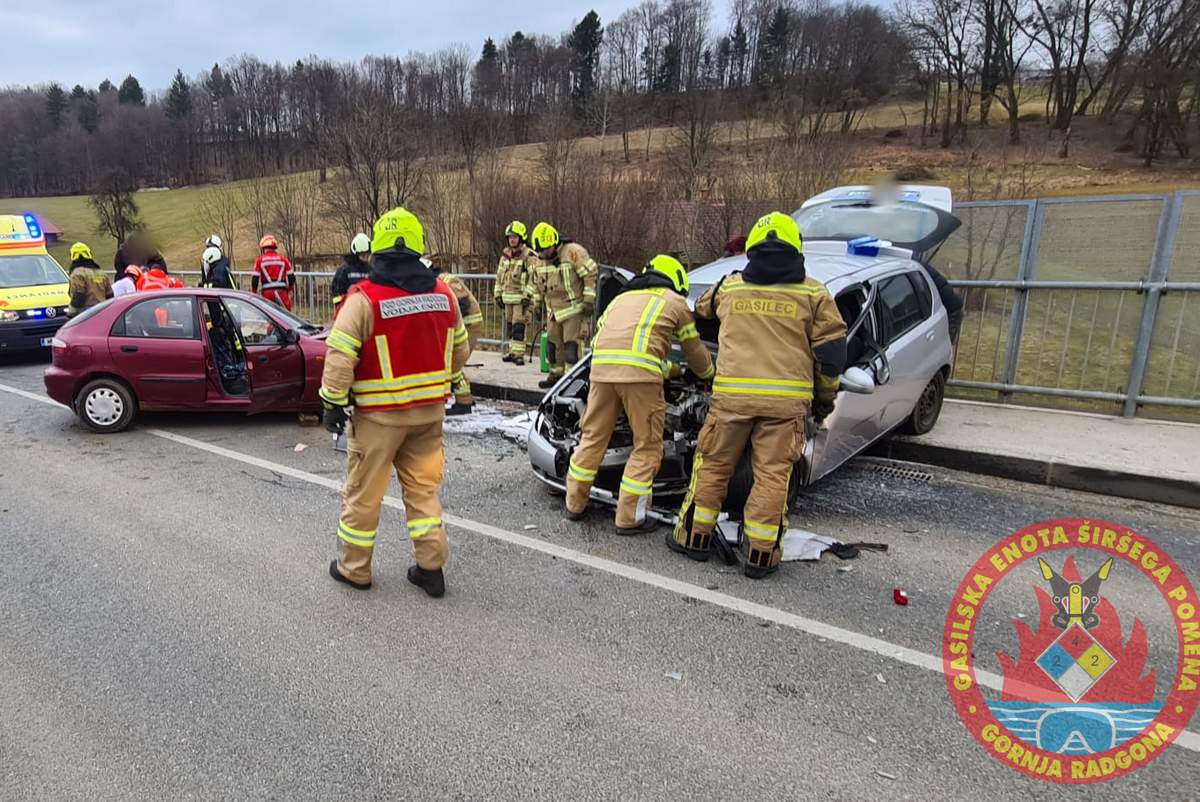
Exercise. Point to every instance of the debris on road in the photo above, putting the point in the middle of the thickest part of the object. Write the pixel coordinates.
(300, 447)
(527, 527)
(899, 597)
(872, 739)
(885, 775)
(675, 675)
(845, 569)
(882, 681)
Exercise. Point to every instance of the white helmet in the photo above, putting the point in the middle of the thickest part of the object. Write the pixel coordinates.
(211, 255)
(360, 244)
(213, 241)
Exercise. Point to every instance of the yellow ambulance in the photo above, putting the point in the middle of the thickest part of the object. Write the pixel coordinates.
(33, 288)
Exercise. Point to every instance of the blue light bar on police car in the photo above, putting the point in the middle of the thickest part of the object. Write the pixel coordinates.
(863, 246)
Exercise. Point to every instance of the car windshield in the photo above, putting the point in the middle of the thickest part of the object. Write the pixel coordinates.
(292, 320)
(900, 222)
(29, 270)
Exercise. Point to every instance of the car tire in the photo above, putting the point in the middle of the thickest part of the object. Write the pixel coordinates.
(742, 481)
(106, 406)
(929, 406)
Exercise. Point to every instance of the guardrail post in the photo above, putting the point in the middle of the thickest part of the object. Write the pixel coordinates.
(1030, 242)
(1160, 266)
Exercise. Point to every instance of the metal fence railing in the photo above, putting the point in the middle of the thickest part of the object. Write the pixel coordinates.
(1086, 299)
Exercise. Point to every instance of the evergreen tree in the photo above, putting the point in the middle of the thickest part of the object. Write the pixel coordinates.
(179, 98)
(56, 104)
(131, 92)
(487, 71)
(87, 113)
(773, 51)
(666, 80)
(739, 51)
(106, 86)
(585, 42)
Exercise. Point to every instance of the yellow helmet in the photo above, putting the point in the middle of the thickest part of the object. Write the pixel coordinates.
(80, 250)
(398, 230)
(516, 229)
(775, 227)
(545, 237)
(670, 267)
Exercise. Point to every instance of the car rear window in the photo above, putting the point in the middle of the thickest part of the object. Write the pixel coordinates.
(158, 318)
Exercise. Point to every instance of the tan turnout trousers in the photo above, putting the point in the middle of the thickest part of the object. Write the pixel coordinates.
(645, 407)
(375, 450)
(776, 444)
(571, 331)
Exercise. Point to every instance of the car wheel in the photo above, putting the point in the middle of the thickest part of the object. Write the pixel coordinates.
(929, 407)
(106, 406)
(742, 481)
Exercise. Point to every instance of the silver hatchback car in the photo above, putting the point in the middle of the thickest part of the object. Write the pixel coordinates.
(870, 257)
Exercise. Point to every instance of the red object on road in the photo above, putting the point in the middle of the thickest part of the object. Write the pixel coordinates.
(899, 597)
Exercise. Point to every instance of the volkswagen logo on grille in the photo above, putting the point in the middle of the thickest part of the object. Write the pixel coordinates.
(51, 311)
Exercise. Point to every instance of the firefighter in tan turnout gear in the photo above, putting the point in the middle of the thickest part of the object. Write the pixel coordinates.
(472, 317)
(629, 363)
(395, 344)
(782, 344)
(512, 291)
(565, 280)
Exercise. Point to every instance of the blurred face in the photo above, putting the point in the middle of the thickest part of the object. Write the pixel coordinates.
(364, 257)
(548, 254)
(513, 241)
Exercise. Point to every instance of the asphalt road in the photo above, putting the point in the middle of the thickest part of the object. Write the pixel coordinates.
(168, 631)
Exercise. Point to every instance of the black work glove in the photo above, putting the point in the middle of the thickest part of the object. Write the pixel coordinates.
(334, 417)
(821, 409)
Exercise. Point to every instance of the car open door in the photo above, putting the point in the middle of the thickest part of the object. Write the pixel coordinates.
(274, 359)
(157, 347)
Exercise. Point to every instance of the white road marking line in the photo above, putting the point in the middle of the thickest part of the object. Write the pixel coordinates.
(847, 637)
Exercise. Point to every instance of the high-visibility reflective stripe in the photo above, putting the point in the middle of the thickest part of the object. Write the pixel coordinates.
(705, 515)
(580, 474)
(568, 270)
(776, 388)
(341, 341)
(687, 332)
(419, 527)
(385, 357)
(471, 320)
(618, 356)
(791, 289)
(401, 382)
(510, 298)
(641, 334)
(756, 530)
(274, 285)
(385, 399)
(341, 399)
(634, 487)
(337, 299)
(568, 312)
(708, 374)
(357, 537)
(828, 382)
(460, 335)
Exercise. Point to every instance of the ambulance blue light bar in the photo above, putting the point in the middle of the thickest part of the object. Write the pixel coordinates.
(31, 225)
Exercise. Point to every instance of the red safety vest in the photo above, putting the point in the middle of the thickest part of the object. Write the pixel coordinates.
(156, 279)
(273, 271)
(407, 360)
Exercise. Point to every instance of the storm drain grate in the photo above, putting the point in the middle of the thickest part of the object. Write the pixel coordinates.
(898, 472)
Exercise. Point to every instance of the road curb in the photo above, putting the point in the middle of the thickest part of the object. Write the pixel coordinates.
(1053, 473)
(502, 392)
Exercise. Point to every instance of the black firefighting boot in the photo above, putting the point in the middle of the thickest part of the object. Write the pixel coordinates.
(549, 381)
(432, 582)
(518, 360)
(697, 546)
(508, 358)
(336, 574)
(576, 516)
(460, 409)
(646, 526)
(760, 563)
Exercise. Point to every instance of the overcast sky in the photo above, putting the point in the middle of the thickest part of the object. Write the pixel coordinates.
(85, 41)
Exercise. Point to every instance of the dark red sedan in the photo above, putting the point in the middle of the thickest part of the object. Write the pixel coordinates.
(187, 349)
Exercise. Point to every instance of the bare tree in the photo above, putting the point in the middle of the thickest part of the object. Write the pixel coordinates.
(439, 203)
(693, 142)
(116, 211)
(218, 212)
(295, 214)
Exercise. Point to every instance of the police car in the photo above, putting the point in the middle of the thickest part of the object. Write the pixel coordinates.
(33, 287)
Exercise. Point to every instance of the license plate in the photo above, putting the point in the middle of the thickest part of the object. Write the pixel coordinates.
(46, 341)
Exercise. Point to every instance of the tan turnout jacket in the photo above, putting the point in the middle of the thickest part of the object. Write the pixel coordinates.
(768, 331)
(567, 286)
(512, 275)
(635, 334)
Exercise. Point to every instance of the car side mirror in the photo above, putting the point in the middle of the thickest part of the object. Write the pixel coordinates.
(291, 336)
(858, 380)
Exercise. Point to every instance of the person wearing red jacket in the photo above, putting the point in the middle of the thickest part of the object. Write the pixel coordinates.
(273, 277)
(155, 278)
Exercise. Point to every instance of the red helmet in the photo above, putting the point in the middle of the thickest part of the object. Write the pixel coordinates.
(267, 242)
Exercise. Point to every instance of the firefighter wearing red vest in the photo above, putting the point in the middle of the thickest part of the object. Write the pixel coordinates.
(396, 342)
(273, 277)
(155, 278)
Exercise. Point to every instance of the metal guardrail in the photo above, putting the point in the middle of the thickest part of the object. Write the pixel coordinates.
(1095, 304)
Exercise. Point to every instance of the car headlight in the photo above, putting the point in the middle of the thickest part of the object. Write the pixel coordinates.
(8, 316)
